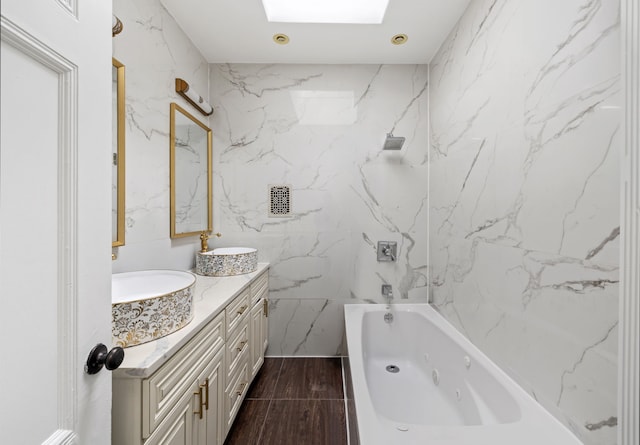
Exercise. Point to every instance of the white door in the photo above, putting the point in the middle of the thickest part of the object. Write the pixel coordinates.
(55, 229)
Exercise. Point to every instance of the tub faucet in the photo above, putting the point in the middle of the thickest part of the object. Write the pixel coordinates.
(387, 291)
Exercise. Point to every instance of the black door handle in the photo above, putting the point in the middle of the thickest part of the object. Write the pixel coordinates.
(99, 357)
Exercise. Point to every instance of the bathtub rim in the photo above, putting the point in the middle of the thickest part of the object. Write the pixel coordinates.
(534, 417)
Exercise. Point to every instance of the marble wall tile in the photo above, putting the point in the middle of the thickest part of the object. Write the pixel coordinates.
(320, 129)
(524, 196)
(154, 51)
(305, 327)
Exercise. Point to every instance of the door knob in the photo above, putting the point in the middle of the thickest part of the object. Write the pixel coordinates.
(99, 357)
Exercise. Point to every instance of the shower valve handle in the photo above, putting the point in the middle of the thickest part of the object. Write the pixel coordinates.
(387, 251)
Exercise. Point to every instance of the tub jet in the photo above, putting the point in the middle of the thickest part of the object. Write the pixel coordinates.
(393, 369)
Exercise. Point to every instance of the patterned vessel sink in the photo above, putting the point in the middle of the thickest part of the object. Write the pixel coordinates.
(149, 304)
(226, 261)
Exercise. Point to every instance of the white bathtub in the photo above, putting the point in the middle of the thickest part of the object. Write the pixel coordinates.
(473, 402)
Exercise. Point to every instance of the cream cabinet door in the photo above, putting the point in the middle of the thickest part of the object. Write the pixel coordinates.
(257, 337)
(198, 418)
(180, 427)
(211, 431)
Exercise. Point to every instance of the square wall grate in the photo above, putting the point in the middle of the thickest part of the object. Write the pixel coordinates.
(279, 200)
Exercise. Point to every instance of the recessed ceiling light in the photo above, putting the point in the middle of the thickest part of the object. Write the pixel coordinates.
(281, 39)
(326, 11)
(399, 39)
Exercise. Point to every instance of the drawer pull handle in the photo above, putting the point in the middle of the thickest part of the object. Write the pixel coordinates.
(242, 309)
(200, 400)
(241, 390)
(206, 397)
(241, 345)
(265, 307)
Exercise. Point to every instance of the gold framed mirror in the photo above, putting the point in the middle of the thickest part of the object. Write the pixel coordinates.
(118, 138)
(190, 174)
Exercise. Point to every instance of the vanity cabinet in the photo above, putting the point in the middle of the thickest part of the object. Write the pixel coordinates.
(165, 408)
(195, 395)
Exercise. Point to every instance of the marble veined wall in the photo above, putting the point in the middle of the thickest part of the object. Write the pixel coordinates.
(320, 129)
(524, 197)
(154, 51)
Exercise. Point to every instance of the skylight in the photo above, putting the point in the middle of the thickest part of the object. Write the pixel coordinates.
(326, 11)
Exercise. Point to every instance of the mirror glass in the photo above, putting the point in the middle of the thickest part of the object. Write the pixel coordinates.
(117, 184)
(191, 211)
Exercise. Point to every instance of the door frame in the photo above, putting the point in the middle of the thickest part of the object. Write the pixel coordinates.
(628, 369)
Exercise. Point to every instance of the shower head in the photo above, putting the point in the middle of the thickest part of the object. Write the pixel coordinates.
(392, 142)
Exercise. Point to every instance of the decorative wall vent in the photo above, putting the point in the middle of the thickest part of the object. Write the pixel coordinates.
(279, 200)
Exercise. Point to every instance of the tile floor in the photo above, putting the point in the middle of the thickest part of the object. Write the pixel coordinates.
(293, 401)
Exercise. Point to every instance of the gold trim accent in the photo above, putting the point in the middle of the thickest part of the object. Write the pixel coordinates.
(120, 158)
(281, 39)
(172, 172)
(399, 39)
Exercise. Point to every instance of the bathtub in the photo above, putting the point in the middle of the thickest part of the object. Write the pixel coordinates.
(417, 380)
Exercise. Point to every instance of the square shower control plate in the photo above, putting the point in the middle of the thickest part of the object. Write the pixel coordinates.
(387, 251)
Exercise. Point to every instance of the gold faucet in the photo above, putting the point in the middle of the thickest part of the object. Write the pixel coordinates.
(204, 241)
(204, 238)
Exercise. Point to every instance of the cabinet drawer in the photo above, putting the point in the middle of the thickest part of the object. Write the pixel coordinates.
(236, 391)
(259, 286)
(165, 387)
(237, 344)
(237, 310)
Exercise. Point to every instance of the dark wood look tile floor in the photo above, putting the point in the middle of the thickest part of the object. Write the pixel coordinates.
(293, 401)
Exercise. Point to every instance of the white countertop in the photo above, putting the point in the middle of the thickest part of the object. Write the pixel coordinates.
(211, 296)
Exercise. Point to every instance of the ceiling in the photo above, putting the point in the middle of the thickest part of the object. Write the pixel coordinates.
(237, 31)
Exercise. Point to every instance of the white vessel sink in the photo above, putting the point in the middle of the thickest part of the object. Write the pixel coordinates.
(226, 261)
(149, 304)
